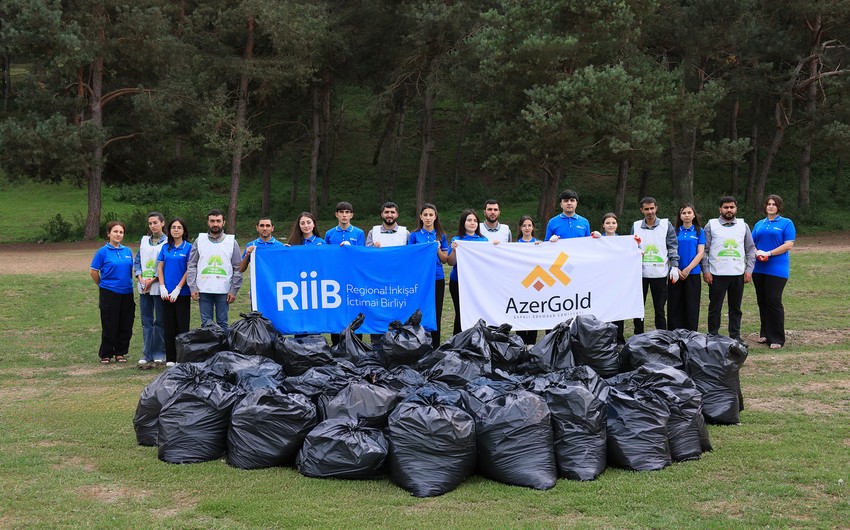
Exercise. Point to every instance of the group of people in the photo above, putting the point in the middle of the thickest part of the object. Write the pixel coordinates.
(170, 269)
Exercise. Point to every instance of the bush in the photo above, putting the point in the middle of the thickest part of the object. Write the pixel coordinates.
(57, 229)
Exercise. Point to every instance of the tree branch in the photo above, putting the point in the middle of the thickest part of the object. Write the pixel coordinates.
(122, 92)
(120, 138)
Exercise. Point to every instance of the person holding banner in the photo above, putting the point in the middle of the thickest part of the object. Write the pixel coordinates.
(150, 305)
(683, 303)
(213, 270)
(388, 233)
(171, 268)
(265, 228)
(660, 259)
(305, 231)
(610, 223)
(568, 224)
(526, 235)
(345, 233)
(467, 230)
(430, 230)
(112, 272)
(491, 228)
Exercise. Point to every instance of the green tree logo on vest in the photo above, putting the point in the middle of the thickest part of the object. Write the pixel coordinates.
(149, 271)
(730, 249)
(650, 254)
(214, 266)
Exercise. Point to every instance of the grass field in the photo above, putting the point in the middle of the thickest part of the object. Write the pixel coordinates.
(69, 456)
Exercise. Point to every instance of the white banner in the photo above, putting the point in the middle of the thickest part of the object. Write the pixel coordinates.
(539, 286)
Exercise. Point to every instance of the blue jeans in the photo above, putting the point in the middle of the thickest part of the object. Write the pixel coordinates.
(217, 302)
(153, 329)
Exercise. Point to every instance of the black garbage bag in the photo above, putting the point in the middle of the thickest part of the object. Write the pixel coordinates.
(266, 375)
(454, 368)
(514, 434)
(552, 352)
(156, 394)
(267, 428)
(403, 379)
(253, 335)
(579, 424)
(594, 343)
(245, 371)
(406, 344)
(193, 423)
(432, 441)
(506, 349)
(637, 428)
(714, 363)
(201, 343)
(370, 403)
(299, 354)
(322, 380)
(686, 428)
(342, 448)
(350, 348)
(656, 346)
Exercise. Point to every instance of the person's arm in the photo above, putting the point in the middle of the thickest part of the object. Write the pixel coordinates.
(192, 272)
(549, 231)
(451, 259)
(750, 253)
(236, 279)
(361, 238)
(369, 241)
(95, 275)
(246, 259)
(672, 246)
(443, 249)
(706, 258)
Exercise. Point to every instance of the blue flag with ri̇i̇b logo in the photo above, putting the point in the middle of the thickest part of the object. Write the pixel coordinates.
(307, 289)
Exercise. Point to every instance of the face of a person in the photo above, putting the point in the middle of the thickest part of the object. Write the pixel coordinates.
(344, 217)
(471, 224)
(569, 205)
(728, 210)
(527, 227)
(176, 230)
(649, 210)
(771, 208)
(116, 235)
(609, 225)
(265, 229)
(687, 216)
(492, 212)
(389, 215)
(155, 225)
(215, 224)
(306, 225)
(428, 217)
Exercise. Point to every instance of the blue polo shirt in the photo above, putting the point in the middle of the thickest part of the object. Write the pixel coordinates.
(689, 240)
(259, 243)
(313, 240)
(424, 236)
(352, 235)
(174, 263)
(116, 268)
(532, 240)
(567, 227)
(767, 235)
(476, 237)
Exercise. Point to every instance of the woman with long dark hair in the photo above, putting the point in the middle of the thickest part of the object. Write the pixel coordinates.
(305, 231)
(774, 237)
(683, 296)
(430, 230)
(467, 230)
(171, 268)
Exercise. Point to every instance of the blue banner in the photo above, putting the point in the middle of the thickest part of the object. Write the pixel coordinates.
(307, 289)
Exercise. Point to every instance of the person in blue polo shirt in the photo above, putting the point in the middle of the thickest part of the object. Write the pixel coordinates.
(265, 228)
(467, 230)
(112, 271)
(172, 264)
(774, 237)
(345, 233)
(430, 230)
(305, 231)
(683, 296)
(568, 224)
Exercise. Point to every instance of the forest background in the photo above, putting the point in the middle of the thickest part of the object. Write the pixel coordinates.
(274, 107)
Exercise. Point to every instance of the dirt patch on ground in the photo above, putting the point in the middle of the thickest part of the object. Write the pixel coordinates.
(111, 494)
(76, 462)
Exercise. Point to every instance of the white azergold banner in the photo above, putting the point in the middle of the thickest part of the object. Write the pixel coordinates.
(539, 286)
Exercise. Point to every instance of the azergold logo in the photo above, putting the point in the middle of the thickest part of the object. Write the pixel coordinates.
(544, 278)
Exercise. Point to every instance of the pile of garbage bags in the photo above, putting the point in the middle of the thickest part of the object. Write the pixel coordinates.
(482, 402)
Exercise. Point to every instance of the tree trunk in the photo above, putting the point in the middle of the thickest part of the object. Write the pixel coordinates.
(241, 114)
(620, 192)
(836, 178)
(733, 135)
(546, 205)
(682, 147)
(803, 197)
(427, 138)
(781, 116)
(645, 182)
(6, 82)
(753, 156)
(94, 172)
(461, 138)
(314, 153)
(397, 143)
(325, 131)
(266, 172)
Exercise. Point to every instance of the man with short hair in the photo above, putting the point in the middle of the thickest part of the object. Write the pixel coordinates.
(730, 256)
(388, 233)
(491, 228)
(266, 240)
(150, 303)
(660, 261)
(568, 224)
(212, 272)
(345, 233)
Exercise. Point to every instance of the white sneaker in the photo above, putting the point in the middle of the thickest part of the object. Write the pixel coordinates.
(142, 362)
(169, 364)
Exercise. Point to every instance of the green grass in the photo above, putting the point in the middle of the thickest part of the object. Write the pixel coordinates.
(69, 457)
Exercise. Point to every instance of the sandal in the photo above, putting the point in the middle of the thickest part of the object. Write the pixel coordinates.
(775, 346)
(104, 360)
(120, 359)
(762, 340)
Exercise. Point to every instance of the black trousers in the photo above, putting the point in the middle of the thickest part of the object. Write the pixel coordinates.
(658, 286)
(175, 320)
(455, 294)
(529, 337)
(439, 298)
(771, 311)
(717, 291)
(621, 331)
(683, 303)
(117, 314)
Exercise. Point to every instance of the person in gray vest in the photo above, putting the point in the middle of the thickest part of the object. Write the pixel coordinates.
(730, 256)
(150, 303)
(388, 233)
(491, 228)
(660, 260)
(212, 272)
